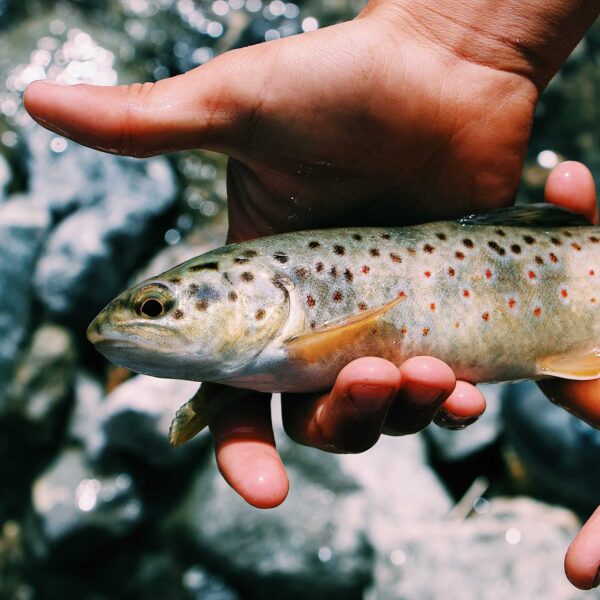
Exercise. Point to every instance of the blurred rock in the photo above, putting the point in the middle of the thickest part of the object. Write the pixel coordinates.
(43, 380)
(202, 585)
(559, 452)
(452, 446)
(78, 512)
(313, 546)
(114, 219)
(23, 226)
(514, 550)
(135, 423)
(85, 426)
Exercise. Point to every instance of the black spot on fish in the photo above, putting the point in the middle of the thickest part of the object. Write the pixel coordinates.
(348, 275)
(555, 241)
(362, 306)
(247, 276)
(516, 248)
(313, 324)
(319, 267)
(441, 236)
(202, 305)
(232, 296)
(301, 272)
(500, 232)
(250, 253)
(260, 314)
(209, 266)
(240, 261)
(428, 248)
(193, 289)
(339, 249)
(539, 260)
(281, 257)
(374, 252)
(357, 237)
(175, 280)
(333, 272)
(385, 236)
(314, 244)
(497, 248)
(468, 243)
(594, 239)
(411, 250)
(567, 233)
(178, 314)
(529, 240)
(227, 278)
(310, 301)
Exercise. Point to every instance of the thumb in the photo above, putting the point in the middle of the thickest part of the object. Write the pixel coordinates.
(210, 107)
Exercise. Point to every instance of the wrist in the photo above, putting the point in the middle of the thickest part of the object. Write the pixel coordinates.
(530, 39)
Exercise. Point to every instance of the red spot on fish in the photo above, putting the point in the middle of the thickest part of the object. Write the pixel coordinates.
(593, 300)
(511, 303)
(395, 257)
(564, 293)
(310, 301)
(427, 273)
(488, 274)
(592, 272)
(485, 316)
(576, 246)
(313, 324)
(432, 306)
(531, 275)
(403, 330)
(466, 293)
(337, 296)
(459, 255)
(537, 311)
(365, 269)
(401, 294)
(362, 306)
(456, 325)
(553, 257)
(425, 330)
(451, 272)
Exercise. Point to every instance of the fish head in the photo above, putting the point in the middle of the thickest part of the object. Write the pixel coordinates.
(194, 323)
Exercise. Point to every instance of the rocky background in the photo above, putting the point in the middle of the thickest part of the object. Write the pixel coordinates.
(95, 504)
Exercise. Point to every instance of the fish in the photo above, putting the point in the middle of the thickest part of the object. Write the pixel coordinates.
(509, 295)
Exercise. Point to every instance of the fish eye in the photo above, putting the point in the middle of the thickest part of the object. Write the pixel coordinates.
(152, 308)
(153, 301)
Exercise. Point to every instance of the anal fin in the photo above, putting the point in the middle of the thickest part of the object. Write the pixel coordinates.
(582, 365)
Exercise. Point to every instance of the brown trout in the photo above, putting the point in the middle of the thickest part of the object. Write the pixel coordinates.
(510, 295)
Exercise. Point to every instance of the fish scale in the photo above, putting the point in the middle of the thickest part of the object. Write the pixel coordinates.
(505, 296)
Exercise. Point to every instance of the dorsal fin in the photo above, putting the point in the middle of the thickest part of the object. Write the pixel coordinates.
(318, 344)
(532, 215)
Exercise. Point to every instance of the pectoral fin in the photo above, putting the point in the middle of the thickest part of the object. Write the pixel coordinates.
(197, 413)
(318, 344)
(583, 365)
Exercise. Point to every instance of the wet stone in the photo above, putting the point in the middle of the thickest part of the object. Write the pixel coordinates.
(78, 511)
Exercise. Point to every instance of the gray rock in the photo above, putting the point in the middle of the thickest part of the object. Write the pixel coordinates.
(116, 205)
(203, 585)
(23, 226)
(452, 446)
(514, 550)
(85, 424)
(77, 511)
(43, 379)
(559, 452)
(313, 546)
(135, 422)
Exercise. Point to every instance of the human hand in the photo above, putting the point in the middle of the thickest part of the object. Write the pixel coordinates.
(367, 122)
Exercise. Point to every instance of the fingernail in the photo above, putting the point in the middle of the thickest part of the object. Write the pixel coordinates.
(596, 580)
(444, 419)
(370, 399)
